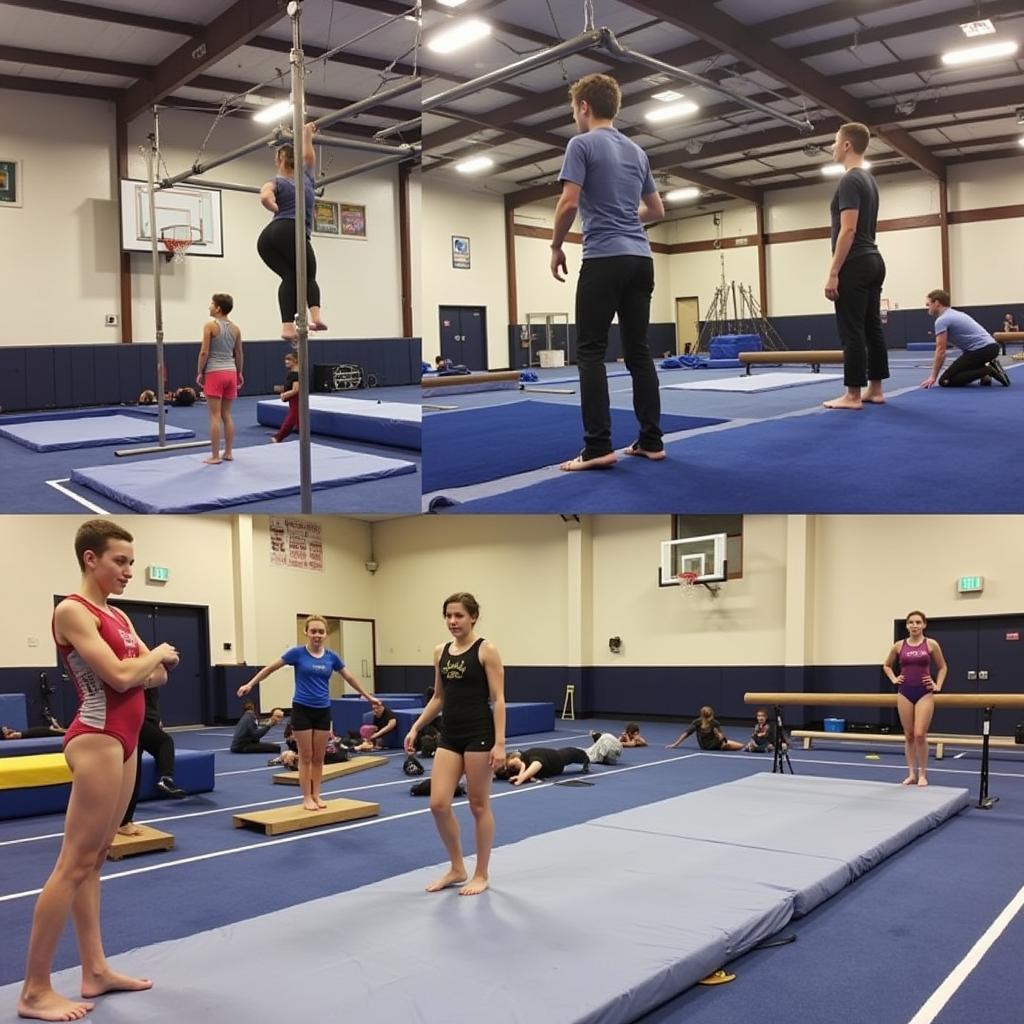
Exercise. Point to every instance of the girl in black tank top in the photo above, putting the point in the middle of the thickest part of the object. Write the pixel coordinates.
(469, 684)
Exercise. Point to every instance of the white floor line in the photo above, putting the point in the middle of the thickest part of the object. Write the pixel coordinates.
(959, 974)
(57, 486)
(320, 832)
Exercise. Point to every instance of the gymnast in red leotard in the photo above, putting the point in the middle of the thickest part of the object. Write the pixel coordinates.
(915, 686)
(110, 666)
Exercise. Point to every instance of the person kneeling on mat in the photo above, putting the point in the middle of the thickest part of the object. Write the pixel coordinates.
(541, 763)
(979, 351)
(709, 733)
(606, 748)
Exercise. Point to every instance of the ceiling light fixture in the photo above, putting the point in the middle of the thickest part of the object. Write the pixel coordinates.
(275, 112)
(474, 164)
(834, 170)
(671, 111)
(975, 54)
(460, 34)
(666, 96)
(971, 29)
(680, 195)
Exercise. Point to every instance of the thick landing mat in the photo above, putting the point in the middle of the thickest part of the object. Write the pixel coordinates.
(792, 464)
(183, 483)
(61, 433)
(762, 382)
(529, 951)
(391, 423)
(474, 445)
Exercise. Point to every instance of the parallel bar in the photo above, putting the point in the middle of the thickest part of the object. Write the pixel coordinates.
(585, 41)
(359, 144)
(363, 168)
(276, 136)
(397, 129)
(371, 101)
(226, 185)
(886, 700)
(612, 45)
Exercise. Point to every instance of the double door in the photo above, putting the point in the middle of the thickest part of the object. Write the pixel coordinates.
(464, 336)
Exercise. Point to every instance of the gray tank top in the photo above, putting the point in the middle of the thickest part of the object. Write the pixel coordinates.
(222, 348)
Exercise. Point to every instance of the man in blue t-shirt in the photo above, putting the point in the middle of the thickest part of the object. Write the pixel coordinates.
(979, 351)
(608, 179)
(856, 274)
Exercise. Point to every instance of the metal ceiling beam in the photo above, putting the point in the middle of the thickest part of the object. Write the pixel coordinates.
(73, 62)
(241, 22)
(729, 35)
(89, 13)
(21, 83)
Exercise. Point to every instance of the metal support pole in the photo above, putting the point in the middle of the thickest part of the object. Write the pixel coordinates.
(985, 801)
(351, 172)
(151, 155)
(301, 321)
(613, 46)
(274, 137)
(226, 185)
(585, 41)
(412, 124)
(371, 101)
(358, 144)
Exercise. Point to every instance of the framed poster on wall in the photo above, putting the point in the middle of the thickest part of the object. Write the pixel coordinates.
(10, 183)
(460, 252)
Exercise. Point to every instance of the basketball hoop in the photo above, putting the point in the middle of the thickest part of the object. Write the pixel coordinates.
(177, 240)
(687, 582)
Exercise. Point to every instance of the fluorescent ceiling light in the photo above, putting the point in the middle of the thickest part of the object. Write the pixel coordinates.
(460, 34)
(834, 170)
(984, 27)
(974, 54)
(679, 195)
(671, 111)
(474, 164)
(667, 96)
(1021, 140)
(274, 112)
(451, 3)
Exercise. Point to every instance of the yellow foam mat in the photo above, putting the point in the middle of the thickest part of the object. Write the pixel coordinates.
(33, 770)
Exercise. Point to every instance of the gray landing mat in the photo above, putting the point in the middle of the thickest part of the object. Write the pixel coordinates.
(706, 876)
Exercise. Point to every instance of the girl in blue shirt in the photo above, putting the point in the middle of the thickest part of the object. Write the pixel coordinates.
(314, 665)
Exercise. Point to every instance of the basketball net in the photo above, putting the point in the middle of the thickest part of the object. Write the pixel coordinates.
(176, 248)
(687, 583)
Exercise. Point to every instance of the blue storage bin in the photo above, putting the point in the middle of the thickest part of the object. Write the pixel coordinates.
(835, 725)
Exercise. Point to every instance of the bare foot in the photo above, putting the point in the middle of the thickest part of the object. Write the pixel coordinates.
(112, 981)
(212, 460)
(447, 880)
(874, 397)
(308, 805)
(600, 462)
(908, 781)
(635, 449)
(922, 781)
(129, 829)
(228, 457)
(51, 1006)
(289, 333)
(317, 325)
(320, 804)
(274, 440)
(844, 402)
(475, 886)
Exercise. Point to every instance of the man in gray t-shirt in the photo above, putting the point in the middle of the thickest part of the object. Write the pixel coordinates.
(607, 178)
(979, 351)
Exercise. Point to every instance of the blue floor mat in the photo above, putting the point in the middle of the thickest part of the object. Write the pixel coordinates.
(484, 444)
(183, 483)
(359, 419)
(60, 433)
(907, 457)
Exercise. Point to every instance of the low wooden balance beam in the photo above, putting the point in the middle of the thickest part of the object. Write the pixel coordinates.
(334, 771)
(814, 358)
(886, 700)
(470, 381)
(147, 841)
(295, 818)
(938, 742)
(1011, 337)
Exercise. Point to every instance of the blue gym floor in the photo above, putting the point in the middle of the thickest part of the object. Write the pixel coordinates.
(778, 451)
(876, 952)
(24, 486)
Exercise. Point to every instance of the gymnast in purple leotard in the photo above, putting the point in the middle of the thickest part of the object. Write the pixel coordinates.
(915, 685)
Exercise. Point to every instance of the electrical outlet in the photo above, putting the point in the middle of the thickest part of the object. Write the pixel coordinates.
(227, 646)
(110, 320)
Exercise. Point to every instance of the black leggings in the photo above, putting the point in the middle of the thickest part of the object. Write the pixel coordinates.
(859, 320)
(623, 285)
(255, 748)
(970, 366)
(153, 740)
(276, 246)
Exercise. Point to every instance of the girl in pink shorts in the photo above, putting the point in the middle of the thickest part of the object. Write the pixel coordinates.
(220, 374)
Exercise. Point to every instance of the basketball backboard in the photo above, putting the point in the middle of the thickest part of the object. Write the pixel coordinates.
(703, 555)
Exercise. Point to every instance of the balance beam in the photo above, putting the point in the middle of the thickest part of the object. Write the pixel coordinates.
(814, 358)
(939, 742)
(333, 771)
(1003, 337)
(148, 840)
(498, 380)
(295, 818)
(887, 700)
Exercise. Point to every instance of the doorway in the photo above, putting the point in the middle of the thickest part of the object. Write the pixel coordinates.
(687, 324)
(463, 332)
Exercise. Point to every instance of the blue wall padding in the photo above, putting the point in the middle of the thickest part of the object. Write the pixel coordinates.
(22, 748)
(13, 710)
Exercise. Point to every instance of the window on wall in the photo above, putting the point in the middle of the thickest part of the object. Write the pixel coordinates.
(702, 526)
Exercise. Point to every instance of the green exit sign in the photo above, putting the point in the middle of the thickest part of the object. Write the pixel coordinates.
(970, 584)
(157, 573)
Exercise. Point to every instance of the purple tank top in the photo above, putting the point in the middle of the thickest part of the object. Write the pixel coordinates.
(915, 664)
(284, 189)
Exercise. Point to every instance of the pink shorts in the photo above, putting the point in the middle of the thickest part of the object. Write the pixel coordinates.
(221, 384)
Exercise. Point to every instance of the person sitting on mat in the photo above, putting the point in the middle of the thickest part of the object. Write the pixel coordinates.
(289, 394)
(219, 374)
(384, 721)
(541, 763)
(979, 351)
(762, 738)
(1010, 324)
(249, 732)
(276, 244)
(35, 732)
(915, 684)
(335, 750)
(606, 748)
(631, 737)
(709, 733)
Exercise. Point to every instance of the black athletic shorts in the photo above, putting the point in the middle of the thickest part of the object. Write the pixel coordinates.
(467, 743)
(304, 718)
